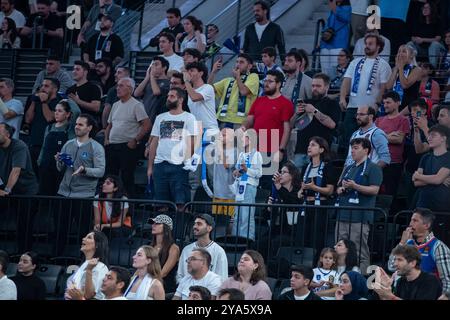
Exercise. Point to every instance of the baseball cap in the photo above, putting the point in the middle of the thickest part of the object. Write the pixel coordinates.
(209, 220)
(162, 218)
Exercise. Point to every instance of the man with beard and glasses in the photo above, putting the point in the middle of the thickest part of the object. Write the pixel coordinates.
(316, 117)
(103, 74)
(413, 283)
(263, 33)
(365, 117)
(170, 144)
(365, 80)
(203, 226)
(104, 44)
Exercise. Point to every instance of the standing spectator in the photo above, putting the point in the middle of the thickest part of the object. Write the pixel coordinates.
(128, 124)
(263, 33)
(168, 251)
(393, 21)
(192, 37)
(112, 218)
(426, 35)
(414, 284)
(146, 283)
(421, 124)
(8, 10)
(429, 88)
(365, 81)
(40, 114)
(358, 186)
(173, 16)
(271, 124)
(17, 178)
(335, 34)
(48, 27)
(166, 44)
(53, 70)
(154, 87)
(203, 226)
(191, 55)
(301, 279)
(396, 127)
(352, 287)
(11, 110)
(237, 93)
(385, 53)
(325, 275)
(250, 277)
(103, 74)
(173, 130)
(434, 252)
(199, 293)
(9, 37)
(316, 117)
(115, 283)
(405, 76)
(80, 177)
(29, 285)
(359, 18)
(55, 136)
(379, 151)
(8, 290)
(434, 169)
(199, 274)
(111, 96)
(84, 93)
(104, 44)
(212, 48)
(86, 282)
(268, 58)
(337, 77)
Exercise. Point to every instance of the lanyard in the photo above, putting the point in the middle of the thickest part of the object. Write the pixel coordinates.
(104, 42)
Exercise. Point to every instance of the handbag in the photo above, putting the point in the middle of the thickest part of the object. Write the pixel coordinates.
(328, 35)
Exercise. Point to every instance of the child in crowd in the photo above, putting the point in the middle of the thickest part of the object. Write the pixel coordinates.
(325, 275)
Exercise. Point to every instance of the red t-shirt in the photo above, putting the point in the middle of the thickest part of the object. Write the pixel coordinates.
(270, 114)
(399, 123)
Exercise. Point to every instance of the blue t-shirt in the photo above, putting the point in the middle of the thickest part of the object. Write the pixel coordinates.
(397, 9)
(16, 106)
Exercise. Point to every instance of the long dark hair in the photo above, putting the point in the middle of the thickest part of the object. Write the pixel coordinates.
(196, 23)
(351, 258)
(101, 247)
(325, 156)
(11, 27)
(295, 174)
(118, 194)
(167, 242)
(434, 14)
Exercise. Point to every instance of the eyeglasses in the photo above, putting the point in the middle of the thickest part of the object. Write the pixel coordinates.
(269, 81)
(193, 259)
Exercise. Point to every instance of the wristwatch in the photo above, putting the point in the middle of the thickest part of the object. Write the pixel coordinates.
(7, 190)
(315, 112)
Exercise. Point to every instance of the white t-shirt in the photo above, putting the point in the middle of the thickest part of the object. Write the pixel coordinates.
(359, 7)
(109, 206)
(205, 110)
(260, 29)
(301, 297)
(325, 275)
(219, 261)
(191, 43)
(16, 106)
(8, 290)
(176, 62)
(211, 281)
(172, 131)
(117, 298)
(17, 16)
(78, 279)
(381, 77)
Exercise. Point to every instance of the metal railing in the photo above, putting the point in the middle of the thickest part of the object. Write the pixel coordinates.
(319, 26)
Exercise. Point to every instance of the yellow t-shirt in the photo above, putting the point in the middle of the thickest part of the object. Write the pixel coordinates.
(252, 83)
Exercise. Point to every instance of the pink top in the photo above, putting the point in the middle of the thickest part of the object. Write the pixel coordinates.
(259, 291)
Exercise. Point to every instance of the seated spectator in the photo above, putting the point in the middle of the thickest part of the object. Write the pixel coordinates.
(11, 110)
(335, 34)
(86, 282)
(29, 286)
(352, 287)
(301, 278)
(385, 53)
(405, 76)
(343, 61)
(434, 252)
(433, 171)
(168, 250)
(199, 293)
(203, 226)
(166, 44)
(250, 277)
(426, 34)
(414, 284)
(115, 283)
(9, 37)
(53, 70)
(104, 44)
(93, 19)
(146, 283)
(173, 16)
(192, 37)
(199, 274)
(55, 136)
(190, 55)
(8, 290)
(429, 88)
(103, 74)
(325, 275)
(47, 26)
(230, 294)
(112, 218)
(111, 96)
(212, 48)
(8, 10)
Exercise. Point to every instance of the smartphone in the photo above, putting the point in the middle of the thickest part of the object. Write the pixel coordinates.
(419, 114)
(300, 101)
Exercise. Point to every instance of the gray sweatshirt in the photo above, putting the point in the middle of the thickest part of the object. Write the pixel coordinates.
(91, 155)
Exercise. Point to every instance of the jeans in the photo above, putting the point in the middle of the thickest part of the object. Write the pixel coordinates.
(244, 218)
(349, 126)
(433, 51)
(122, 160)
(171, 183)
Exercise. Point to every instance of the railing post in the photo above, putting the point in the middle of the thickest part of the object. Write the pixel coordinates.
(141, 19)
(238, 17)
